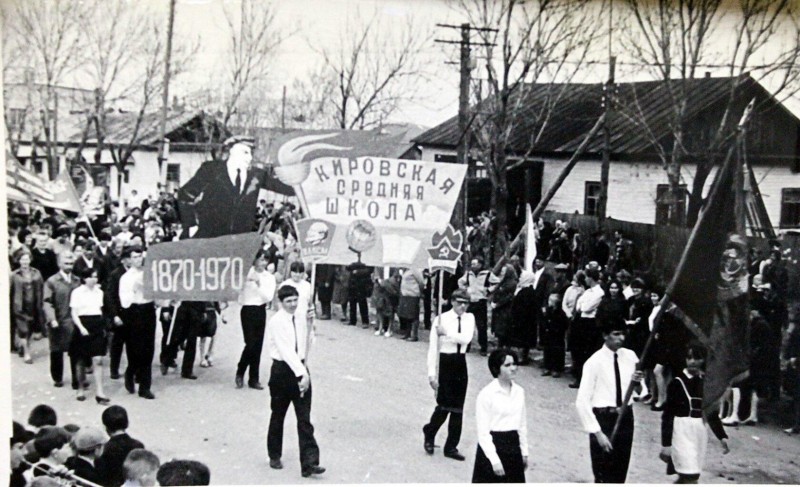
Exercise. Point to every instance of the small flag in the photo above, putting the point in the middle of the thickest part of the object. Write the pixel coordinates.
(530, 239)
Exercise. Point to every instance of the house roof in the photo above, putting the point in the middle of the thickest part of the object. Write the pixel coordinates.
(638, 106)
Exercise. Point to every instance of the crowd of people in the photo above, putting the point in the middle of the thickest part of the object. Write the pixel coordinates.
(47, 453)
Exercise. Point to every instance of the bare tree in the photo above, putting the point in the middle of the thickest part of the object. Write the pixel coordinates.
(49, 32)
(678, 41)
(369, 74)
(535, 44)
(254, 38)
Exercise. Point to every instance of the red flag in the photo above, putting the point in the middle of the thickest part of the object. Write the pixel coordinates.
(711, 287)
(65, 197)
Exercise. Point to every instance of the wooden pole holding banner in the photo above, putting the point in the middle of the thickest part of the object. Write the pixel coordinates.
(441, 291)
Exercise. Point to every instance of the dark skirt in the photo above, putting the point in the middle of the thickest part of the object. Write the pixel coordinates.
(453, 381)
(408, 308)
(506, 443)
(92, 345)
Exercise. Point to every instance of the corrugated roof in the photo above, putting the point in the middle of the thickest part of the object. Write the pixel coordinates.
(577, 107)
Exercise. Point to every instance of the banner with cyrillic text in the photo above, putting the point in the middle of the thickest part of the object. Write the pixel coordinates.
(384, 209)
(203, 269)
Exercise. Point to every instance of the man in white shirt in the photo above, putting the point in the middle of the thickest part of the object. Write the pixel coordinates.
(451, 333)
(290, 383)
(585, 336)
(139, 316)
(606, 377)
(475, 281)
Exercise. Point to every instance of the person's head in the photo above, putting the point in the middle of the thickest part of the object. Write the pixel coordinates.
(592, 277)
(104, 239)
(503, 363)
(696, 355)
(637, 286)
(41, 241)
(134, 255)
(655, 296)
(115, 418)
(66, 260)
(624, 277)
(63, 233)
(88, 248)
(554, 301)
(775, 255)
(42, 415)
(238, 151)
(141, 466)
(53, 442)
(460, 300)
(476, 264)
(88, 441)
(260, 260)
(579, 279)
(88, 276)
(288, 295)
(19, 435)
(298, 271)
(614, 288)
(183, 472)
(614, 334)
(538, 263)
(24, 259)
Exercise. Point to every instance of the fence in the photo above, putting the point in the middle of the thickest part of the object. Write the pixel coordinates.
(657, 249)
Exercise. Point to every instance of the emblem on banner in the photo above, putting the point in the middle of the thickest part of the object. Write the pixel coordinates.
(315, 237)
(446, 250)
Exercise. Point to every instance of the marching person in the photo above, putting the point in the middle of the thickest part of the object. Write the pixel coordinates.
(139, 315)
(502, 455)
(476, 282)
(119, 329)
(606, 376)
(89, 342)
(584, 334)
(57, 291)
(290, 382)
(451, 332)
(258, 290)
(27, 312)
(683, 424)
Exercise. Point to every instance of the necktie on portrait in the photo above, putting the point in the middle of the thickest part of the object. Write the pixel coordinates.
(238, 181)
(458, 347)
(617, 380)
(294, 326)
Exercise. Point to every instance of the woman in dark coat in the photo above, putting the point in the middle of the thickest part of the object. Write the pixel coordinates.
(522, 328)
(27, 313)
(502, 295)
(612, 308)
(341, 285)
(639, 308)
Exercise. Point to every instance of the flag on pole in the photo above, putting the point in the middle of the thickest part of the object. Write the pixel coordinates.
(711, 287)
(25, 186)
(530, 239)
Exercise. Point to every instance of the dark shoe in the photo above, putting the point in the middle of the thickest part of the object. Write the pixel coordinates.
(455, 455)
(115, 375)
(325, 317)
(255, 385)
(102, 400)
(81, 397)
(556, 375)
(147, 395)
(428, 444)
(412, 339)
(276, 464)
(546, 373)
(575, 385)
(164, 369)
(58, 384)
(129, 383)
(308, 472)
(189, 376)
(792, 431)
(239, 381)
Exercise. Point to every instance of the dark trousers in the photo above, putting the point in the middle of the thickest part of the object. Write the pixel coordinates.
(188, 319)
(57, 368)
(284, 390)
(479, 311)
(453, 427)
(119, 336)
(326, 308)
(554, 358)
(362, 307)
(427, 309)
(165, 326)
(254, 321)
(141, 344)
(585, 341)
(612, 467)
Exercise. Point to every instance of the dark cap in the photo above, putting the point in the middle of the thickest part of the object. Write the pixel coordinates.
(239, 139)
(459, 295)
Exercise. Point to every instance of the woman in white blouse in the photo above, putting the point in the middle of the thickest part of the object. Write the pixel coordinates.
(257, 292)
(502, 455)
(88, 344)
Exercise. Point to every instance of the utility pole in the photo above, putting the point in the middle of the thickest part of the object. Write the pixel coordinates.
(162, 150)
(608, 91)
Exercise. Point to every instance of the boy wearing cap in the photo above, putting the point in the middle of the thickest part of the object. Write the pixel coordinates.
(88, 444)
(221, 198)
(451, 333)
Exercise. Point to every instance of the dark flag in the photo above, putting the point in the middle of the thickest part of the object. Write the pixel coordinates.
(711, 287)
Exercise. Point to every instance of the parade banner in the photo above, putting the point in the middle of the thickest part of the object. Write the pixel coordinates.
(446, 250)
(203, 269)
(314, 237)
(384, 209)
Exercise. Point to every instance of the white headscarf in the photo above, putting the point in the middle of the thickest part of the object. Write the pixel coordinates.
(526, 278)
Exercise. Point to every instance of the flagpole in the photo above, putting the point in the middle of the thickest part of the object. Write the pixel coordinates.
(670, 289)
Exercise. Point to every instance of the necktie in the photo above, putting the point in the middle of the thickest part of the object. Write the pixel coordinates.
(617, 380)
(238, 180)
(294, 326)
(458, 347)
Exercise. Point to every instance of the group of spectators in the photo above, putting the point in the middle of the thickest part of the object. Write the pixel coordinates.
(46, 453)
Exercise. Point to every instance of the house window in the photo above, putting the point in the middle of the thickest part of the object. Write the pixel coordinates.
(790, 208)
(668, 213)
(174, 174)
(591, 198)
(16, 117)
